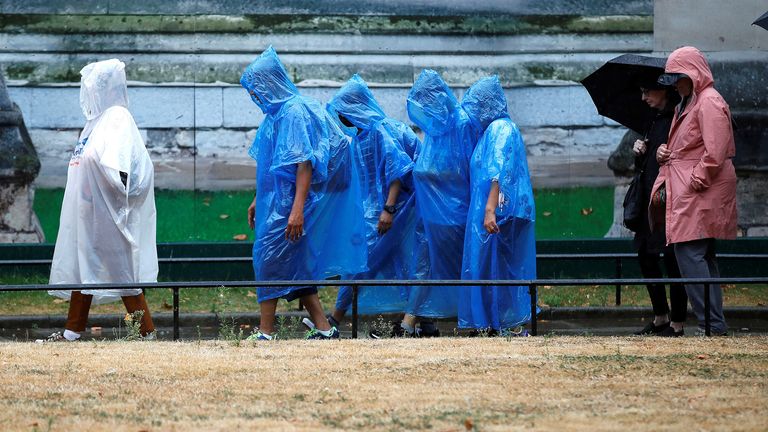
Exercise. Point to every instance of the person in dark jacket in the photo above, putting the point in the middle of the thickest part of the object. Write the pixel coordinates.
(650, 244)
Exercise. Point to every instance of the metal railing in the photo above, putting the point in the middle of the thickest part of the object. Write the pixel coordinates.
(618, 258)
(532, 285)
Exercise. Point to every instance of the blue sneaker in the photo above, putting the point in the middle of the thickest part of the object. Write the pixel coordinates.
(315, 334)
(259, 336)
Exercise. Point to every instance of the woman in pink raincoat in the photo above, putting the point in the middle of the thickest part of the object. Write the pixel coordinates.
(696, 186)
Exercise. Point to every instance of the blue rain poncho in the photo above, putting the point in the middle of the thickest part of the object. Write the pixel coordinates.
(441, 178)
(296, 130)
(380, 145)
(511, 253)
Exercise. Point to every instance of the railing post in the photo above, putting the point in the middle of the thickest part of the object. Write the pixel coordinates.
(354, 311)
(176, 314)
(533, 291)
(707, 321)
(618, 276)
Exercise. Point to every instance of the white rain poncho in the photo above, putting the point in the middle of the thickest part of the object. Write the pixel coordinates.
(107, 228)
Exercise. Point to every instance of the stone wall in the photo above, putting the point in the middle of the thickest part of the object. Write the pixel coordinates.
(184, 60)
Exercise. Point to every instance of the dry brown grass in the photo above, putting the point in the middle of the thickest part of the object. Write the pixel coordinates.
(543, 383)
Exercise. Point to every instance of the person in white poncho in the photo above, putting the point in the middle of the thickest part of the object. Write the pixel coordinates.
(107, 226)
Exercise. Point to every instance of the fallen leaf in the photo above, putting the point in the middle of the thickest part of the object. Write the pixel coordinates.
(546, 213)
(251, 294)
(240, 237)
(223, 216)
(702, 356)
(587, 211)
(59, 301)
(468, 424)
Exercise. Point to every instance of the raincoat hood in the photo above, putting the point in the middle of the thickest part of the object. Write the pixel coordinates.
(356, 102)
(268, 81)
(691, 62)
(102, 85)
(431, 103)
(485, 102)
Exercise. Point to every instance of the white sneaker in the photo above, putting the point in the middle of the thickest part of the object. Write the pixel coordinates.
(308, 323)
(54, 337)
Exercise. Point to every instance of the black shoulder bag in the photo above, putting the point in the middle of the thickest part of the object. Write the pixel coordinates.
(633, 202)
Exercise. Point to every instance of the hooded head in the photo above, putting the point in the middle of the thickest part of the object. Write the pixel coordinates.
(690, 62)
(267, 82)
(431, 104)
(356, 103)
(102, 85)
(485, 102)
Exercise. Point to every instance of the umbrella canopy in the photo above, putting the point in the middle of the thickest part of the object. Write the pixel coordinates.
(615, 89)
(762, 21)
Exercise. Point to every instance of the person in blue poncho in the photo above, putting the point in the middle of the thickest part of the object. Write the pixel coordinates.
(500, 241)
(384, 149)
(306, 192)
(441, 178)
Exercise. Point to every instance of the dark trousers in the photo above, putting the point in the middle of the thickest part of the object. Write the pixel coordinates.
(696, 259)
(650, 266)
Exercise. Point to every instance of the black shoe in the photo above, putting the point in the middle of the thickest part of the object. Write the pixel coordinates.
(670, 332)
(397, 332)
(486, 332)
(652, 329)
(427, 329)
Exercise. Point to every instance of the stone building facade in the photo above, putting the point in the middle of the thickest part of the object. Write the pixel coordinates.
(184, 59)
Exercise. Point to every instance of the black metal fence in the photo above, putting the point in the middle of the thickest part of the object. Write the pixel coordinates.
(532, 285)
(618, 258)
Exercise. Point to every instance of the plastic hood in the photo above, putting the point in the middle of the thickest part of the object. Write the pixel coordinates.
(356, 102)
(268, 82)
(485, 102)
(102, 85)
(431, 104)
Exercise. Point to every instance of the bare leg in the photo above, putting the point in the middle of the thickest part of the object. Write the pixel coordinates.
(136, 303)
(316, 313)
(268, 308)
(409, 320)
(338, 315)
(79, 306)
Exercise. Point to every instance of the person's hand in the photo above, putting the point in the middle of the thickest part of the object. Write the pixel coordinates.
(295, 225)
(697, 185)
(639, 147)
(662, 154)
(251, 212)
(490, 221)
(385, 222)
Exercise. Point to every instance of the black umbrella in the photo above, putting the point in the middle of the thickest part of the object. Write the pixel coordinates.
(615, 89)
(762, 21)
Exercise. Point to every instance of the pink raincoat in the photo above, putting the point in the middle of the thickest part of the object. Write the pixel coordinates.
(701, 145)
